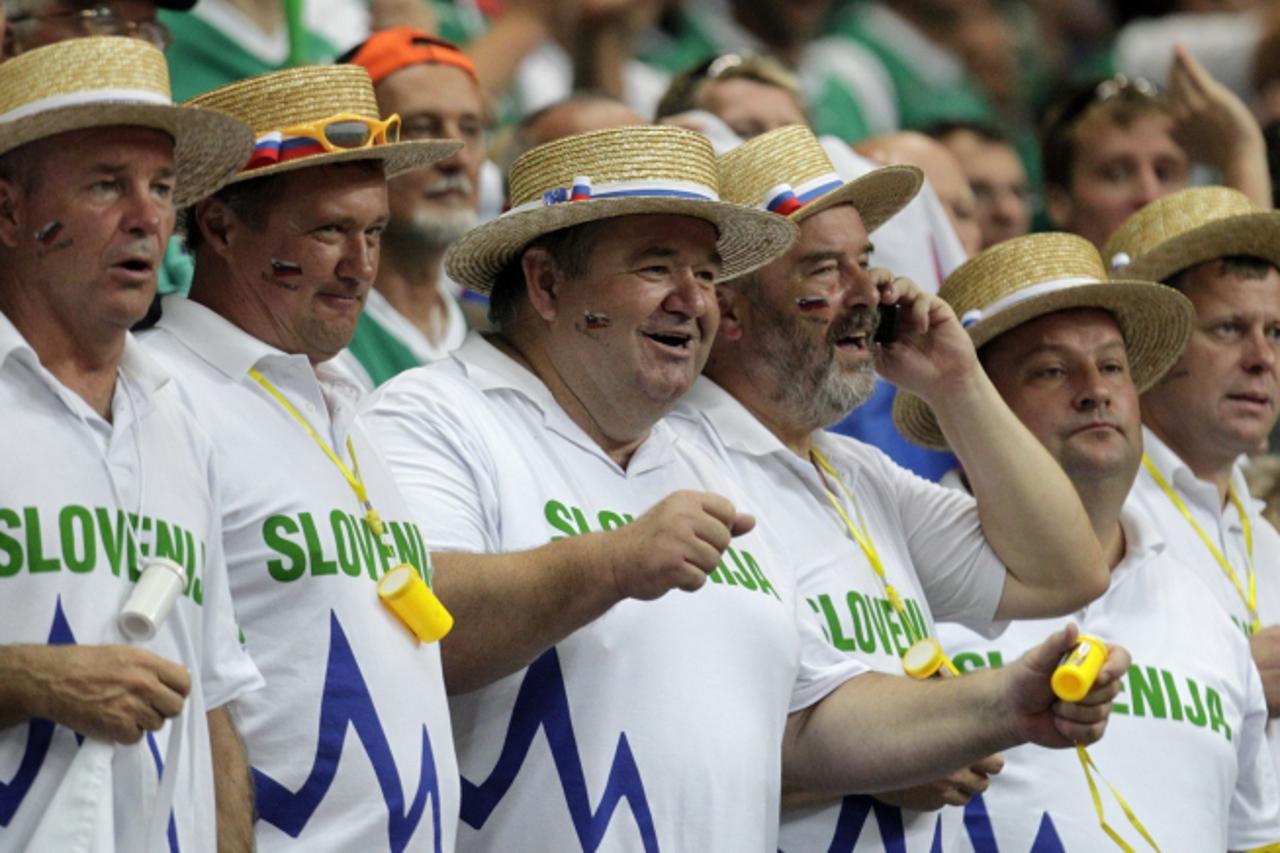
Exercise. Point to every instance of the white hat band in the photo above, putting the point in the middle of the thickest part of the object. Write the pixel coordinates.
(94, 96)
(1024, 294)
(582, 190)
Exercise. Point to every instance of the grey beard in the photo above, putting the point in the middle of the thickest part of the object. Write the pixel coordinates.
(812, 386)
(430, 230)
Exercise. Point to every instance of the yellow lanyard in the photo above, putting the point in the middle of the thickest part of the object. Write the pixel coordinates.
(863, 537)
(1251, 599)
(1086, 763)
(351, 475)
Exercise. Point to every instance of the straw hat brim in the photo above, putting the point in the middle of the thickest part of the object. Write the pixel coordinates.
(877, 195)
(748, 238)
(397, 158)
(209, 147)
(1156, 322)
(1256, 234)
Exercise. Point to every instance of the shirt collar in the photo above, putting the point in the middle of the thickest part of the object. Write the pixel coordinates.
(736, 427)
(1142, 538)
(145, 374)
(226, 346)
(1182, 478)
(491, 369)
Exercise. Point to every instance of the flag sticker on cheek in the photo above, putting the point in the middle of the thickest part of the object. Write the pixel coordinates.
(282, 273)
(809, 304)
(47, 238)
(592, 322)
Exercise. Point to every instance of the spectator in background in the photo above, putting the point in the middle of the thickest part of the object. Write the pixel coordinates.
(32, 23)
(850, 94)
(752, 94)
(1001, 193)
(579, 113)
(413, 316)
(1218, 403)
(942, 171)
(1110, 147)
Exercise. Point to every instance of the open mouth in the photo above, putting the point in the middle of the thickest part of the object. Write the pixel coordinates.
(858, 341)
(680, 341)
(136, 266)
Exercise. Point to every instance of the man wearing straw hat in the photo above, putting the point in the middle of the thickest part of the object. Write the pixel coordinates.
(1186, 758)
(794, 355)
(107, 474)
(349, 740)
(1218, 403)
(609, 591)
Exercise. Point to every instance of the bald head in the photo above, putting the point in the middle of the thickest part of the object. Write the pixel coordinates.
(943, 172)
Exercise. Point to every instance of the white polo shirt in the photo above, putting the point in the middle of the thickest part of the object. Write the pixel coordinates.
(929, 540)
(350, 740)
(73, 484)
(1185, 745)
(1222, 524)
(659, 725)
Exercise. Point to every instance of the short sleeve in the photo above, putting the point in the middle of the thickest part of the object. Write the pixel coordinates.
(428, 440)
(226, 671)
(960, 574)
(822, 667)
(1254, 818)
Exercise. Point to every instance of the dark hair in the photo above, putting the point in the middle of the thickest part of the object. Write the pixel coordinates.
(940, 130)
(570, 251)
(22, 167)
(1239, 266)
(1118, 99)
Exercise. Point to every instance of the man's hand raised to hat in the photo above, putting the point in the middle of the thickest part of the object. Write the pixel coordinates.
(931, 353)
(674, 545)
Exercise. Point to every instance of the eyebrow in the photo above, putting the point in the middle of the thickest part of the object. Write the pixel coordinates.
(660, 251)
(1042, 348)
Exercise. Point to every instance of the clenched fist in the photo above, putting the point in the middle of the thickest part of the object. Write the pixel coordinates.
(674, 545)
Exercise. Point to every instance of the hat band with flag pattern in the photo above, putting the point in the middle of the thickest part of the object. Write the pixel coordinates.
(785, 200)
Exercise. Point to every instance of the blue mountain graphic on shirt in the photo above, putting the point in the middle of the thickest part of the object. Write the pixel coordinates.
(977, 823)
(542, 704)
(40, 738)
(345, 702)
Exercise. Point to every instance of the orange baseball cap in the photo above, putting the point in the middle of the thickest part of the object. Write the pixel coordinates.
(387, 51)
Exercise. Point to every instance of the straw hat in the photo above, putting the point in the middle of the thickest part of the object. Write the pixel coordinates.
(1027, 277)
(272, 102)
(109, 82)
(785, 171)
(1190, 227)
(617, 172)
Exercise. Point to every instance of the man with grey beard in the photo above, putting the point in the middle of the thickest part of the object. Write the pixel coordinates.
(878, 552)
(413, 315)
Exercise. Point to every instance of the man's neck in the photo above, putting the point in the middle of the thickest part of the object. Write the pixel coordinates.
(748, 390)
(1212, 468)
(411, 284)
(619, 442)
(1103, 501)
(84, 360)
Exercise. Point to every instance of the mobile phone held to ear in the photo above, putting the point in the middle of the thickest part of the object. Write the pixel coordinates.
(887, 329)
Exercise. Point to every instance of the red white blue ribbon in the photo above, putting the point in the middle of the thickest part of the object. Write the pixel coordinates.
(274, 147)
(582, 189)
(784, 199)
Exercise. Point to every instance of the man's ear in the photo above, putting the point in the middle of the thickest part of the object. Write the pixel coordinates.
(733, 305)
(218, 225)
(1059, 206)
(542, 282)
(11, 210)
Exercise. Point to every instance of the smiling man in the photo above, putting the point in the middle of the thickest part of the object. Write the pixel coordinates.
(608, 587)
(285, 257)
(795, 355)
(1069, 352)
(1218, 403)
